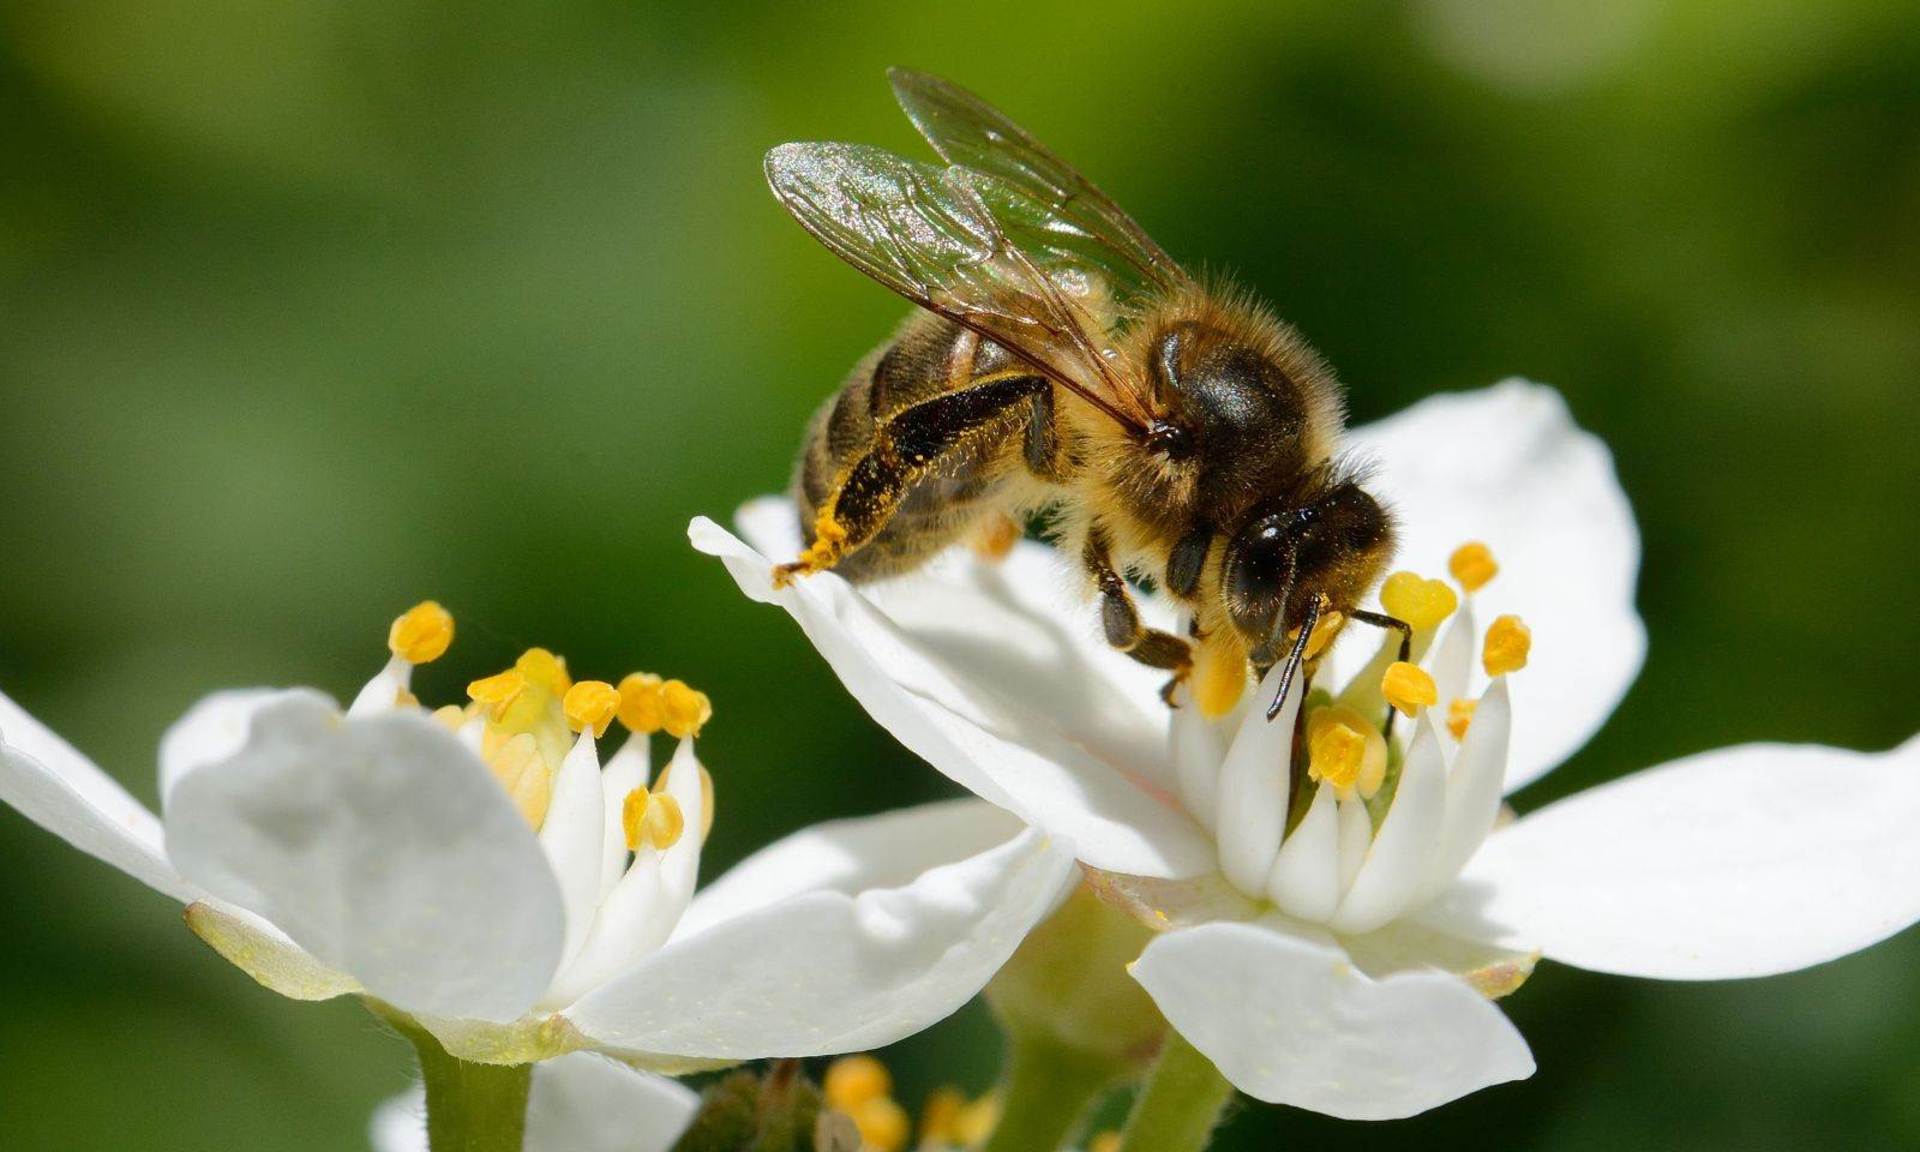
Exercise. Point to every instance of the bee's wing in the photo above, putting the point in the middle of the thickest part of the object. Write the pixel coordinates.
(1056, 209)
(926, 233)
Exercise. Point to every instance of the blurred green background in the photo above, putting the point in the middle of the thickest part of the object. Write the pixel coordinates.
(309, 310)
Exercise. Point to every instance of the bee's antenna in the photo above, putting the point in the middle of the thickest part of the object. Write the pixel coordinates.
(1296, 654)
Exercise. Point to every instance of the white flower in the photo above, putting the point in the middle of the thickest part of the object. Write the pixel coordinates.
(579, 1102)
(1345, 965)
(481, 872)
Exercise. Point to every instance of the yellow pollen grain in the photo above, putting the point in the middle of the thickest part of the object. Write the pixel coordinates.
(649, 818)
(498, 692)
(1472, 564)
(1108, 1141)
(853, 1080)
(1419, 601)
(421, 634)
(591, 704)
(1324, 633)
(1346, 750)
(883, 1124)
(1408, 687)
(640, 703)
(1460, 717)
(1509, 641)
(683, 710)
(1219, 673)
(545, 669)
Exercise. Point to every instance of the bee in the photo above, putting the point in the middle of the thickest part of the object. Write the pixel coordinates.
(1062, 363)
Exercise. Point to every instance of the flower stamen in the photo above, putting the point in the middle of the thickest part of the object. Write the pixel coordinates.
(496, 693)
(1472, 564)
(422, 634)
(1346, 751)
(862, 1088)
(1460, 717)
(1421, 602)
(651, 819)
(1509, 641)
(542, 667)
(591, 704)
(1408, 687)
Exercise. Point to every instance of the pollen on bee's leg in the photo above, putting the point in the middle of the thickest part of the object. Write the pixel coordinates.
(1324, 633)
(1460, 717)
(591, 705)
(651, 818)
(1421, 602)
(822, 554)
(1509, 642)
(1408, 688)
(1472, 564)
(421, 634)
(1219, 673)
(994, 537)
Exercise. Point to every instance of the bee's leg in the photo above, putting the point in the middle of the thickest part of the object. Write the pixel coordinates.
(907, 446)
(1120, 619)
(1042, 446)
(1382, 620)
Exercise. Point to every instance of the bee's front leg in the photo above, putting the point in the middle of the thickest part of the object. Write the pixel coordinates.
(1120, 618)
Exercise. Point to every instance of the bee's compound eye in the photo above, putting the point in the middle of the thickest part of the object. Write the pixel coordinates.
(1257, 564)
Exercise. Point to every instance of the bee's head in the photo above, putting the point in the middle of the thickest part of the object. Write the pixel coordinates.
(1285, 555)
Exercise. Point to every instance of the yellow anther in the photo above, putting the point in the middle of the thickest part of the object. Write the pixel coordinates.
(522, 771)
(1346, 750)
(883, 1124)
(1419, 601)
(853, 1080)
(1509, 640)
(640, 702)
(979, 1119)
(451, 716)
(940, 1116)
(591, 704)
(421, 634)
(545, 669)
(651, 819)
(1408, 687)
(1460, 716)
(683, 711)
(498, 692)
(1473, 565)
(1108, 1141)
(706, 803)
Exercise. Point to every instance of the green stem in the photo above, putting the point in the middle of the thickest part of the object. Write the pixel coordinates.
(470, 1107)
(1181, 1103)
(1047, 1088)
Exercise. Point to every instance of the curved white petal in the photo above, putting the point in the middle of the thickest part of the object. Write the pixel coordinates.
(1290, 1019)
(56, 787)
(1507, 465)
(1452, 659)
(1473, 788)
(826, 972)
(1254, 784)
(213, 729)
(987, 698)
(626, 770)
(579, 1102)
(573, 836)
(265, 953)
(1197, 746)
(1401, 856)
(383, 848)
(1738, 862)
(1305, 882)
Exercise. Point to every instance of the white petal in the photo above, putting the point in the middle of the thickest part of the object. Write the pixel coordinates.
(1738, 862)
(1254, 786)
(1305, 882)
(573, 837)
(680, 864)
(1008, 704)
(825, 972)
(1508, 466)
(1398, 863)
(579, 1102)
(1356, 836)
(582, 1102)
(625, 771)
(213, 729)
(382, 693)
(265, 953)
(1291, 1020)
(1197, 747)
(385, 849)
(57, 788)
(1473, 788)
(851, 856)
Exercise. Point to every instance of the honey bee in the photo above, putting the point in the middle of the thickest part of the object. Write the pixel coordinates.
(1062, 363)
